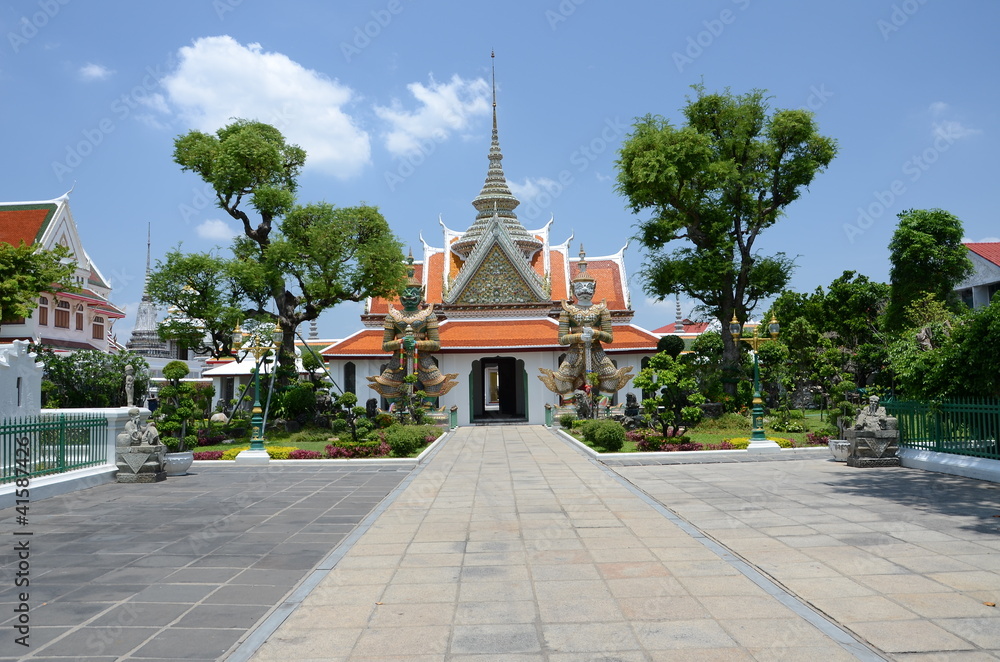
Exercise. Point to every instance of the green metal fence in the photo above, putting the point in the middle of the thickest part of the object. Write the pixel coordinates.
(43, 445)
(961, 427)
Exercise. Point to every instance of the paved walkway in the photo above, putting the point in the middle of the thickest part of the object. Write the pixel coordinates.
(510, 544)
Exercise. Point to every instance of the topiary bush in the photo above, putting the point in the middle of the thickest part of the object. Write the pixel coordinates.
(605, 434)
(610, 435)
(404, 440)
(566, 421)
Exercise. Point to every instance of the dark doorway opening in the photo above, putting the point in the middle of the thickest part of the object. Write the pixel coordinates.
(498, 391)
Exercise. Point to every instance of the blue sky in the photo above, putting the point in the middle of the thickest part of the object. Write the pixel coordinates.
(390, 98)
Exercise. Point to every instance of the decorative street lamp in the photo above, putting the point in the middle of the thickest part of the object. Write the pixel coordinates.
(758, 440)
(260, 346)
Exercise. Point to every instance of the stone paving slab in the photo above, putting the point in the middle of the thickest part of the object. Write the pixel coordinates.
(511, 545)
(903, 558)
(180, 569)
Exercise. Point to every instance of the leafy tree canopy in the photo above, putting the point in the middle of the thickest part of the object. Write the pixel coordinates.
(318, 256)
(715, 184)
(27, 271)
(90, 378)
(927, 257)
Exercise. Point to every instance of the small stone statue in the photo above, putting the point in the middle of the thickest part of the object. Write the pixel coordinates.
(139, 453)
(631, 405)
(874, 438)
(129, 386)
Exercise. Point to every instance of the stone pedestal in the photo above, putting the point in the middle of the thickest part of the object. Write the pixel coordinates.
(874, 448)
(141, 464)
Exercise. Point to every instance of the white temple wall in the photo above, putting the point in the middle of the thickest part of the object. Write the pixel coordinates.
(20, 381)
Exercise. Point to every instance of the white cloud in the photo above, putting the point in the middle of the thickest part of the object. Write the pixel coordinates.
(938, 108)
(950, 128)
(91, 71)
(954, 130)
(984, 240)
(215, 229)
(218, 79)
(444, 108)
(531, 189)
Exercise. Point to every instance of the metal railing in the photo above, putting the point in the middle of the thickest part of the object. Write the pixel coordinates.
(43, 445)
(969, 426)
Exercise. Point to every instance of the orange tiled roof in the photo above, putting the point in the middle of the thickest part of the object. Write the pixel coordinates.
(380, 306)
(24, 222)
(989, 250)
(631, 338)
(363, 343)
(480, 334)
(609, 283)
(507, 335)
(558, 264)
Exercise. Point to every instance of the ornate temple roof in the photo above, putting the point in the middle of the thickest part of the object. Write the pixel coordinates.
(495, 199)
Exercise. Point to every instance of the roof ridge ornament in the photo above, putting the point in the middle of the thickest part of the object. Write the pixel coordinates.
(496, 199)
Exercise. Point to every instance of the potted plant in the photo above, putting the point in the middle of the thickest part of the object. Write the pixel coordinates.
(178, 405)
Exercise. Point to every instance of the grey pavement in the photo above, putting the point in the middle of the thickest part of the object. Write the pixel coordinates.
(180, 569)
(510, 543)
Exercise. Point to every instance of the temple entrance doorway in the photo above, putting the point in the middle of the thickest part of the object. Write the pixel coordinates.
(498, 391)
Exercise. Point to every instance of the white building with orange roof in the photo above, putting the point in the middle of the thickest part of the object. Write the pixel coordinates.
(65, 321)
(497, 290)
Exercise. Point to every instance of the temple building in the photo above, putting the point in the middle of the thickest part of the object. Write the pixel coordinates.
(497, 290)
(66, 321)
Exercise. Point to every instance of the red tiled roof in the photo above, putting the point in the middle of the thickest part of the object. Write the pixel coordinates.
(988, 250)
(689, 327)
(24, 222)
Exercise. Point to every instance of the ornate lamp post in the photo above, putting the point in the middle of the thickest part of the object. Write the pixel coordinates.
(260, 347)
(758, 440)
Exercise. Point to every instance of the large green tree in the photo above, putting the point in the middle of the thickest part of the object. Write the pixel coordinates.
(208, 295)
(27, 271)
(711, 187)
(309, 258)
(927, 257)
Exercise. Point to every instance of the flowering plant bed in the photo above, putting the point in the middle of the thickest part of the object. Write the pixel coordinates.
(397, 441)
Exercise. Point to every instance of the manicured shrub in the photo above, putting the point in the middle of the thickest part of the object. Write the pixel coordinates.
(566, 421)
(299, 402)
(404, 440)
(208, 455)
(350, 450)
(338, 426)
(274, 452)
(303, 454)
(610, 436)
(605, 434)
